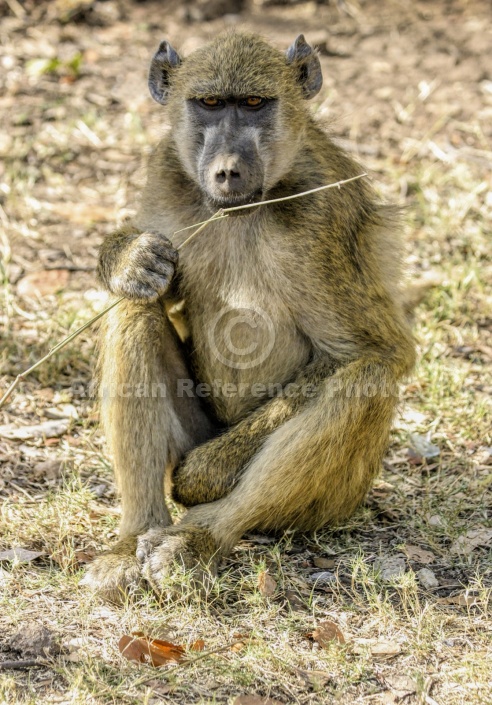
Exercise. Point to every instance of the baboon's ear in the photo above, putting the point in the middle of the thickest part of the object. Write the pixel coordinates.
(165, 60)
(306, 63)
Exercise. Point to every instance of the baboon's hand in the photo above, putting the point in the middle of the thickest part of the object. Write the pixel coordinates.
(146, 268)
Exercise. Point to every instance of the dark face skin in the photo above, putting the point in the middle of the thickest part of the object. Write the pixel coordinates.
(232, 140)
(229, 132)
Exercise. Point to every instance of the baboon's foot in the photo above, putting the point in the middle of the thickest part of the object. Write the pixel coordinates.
(117, 573)
(165, 553)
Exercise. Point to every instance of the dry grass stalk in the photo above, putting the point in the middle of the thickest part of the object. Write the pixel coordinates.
(219, 215)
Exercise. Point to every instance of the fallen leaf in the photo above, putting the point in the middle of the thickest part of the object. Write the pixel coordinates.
(325, 563)
(465, 544)
(421, 447)
(377, 647)
(155, 652)
(323, 578)
(42, 283)
(327, 632)
(266, 584)
(22, 555)
(295, 601)
(464, 599)
(415, 553)
(48, 469)
(47, 429)
(63, 411)
(238, 646)
(197, 645)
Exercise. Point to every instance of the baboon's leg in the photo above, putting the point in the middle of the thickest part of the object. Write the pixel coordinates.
(211, 470)
(311, 470)
(148, 425)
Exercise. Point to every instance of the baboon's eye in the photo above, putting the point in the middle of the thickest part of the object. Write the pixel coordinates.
(253, 101)
(211, 102)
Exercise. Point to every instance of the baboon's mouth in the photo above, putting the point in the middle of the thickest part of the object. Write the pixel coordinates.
(237, 201)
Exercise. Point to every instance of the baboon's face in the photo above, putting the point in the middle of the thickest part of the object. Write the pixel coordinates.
(231, 137)
(237, 112)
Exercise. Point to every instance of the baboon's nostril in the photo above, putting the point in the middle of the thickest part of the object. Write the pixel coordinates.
(227, 175)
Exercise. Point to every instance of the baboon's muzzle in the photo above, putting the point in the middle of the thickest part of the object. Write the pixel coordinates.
(234, 178)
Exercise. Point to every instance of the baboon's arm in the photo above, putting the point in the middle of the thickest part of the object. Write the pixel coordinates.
(112, 250)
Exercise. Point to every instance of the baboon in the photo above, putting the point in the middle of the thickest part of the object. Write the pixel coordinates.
(273, 411)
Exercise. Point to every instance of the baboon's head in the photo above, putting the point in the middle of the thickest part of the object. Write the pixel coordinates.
(237, 111)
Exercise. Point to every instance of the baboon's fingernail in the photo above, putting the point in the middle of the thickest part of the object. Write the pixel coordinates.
(141, 554)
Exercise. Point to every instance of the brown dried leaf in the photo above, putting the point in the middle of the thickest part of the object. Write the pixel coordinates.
(415, 553)
(465, 544)
(464, 599)
(20, 554)
(327, 632)
(266, 584)
(295, 601)
(155, 652)
(48, 470)
(43, 283)
(237, 647)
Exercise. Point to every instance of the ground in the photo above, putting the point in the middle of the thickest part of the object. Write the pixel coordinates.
(402, 610)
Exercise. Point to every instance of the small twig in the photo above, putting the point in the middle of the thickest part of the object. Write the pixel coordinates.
(210, 652)
(203, 225)
(68, 267)
(222, 213)
(54, 350)
(20, 664)
(203, 222)
(296, 195)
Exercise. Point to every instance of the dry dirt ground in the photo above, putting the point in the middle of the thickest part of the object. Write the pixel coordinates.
(402, 610)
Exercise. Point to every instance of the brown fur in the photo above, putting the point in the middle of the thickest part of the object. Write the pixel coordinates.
(322, 271)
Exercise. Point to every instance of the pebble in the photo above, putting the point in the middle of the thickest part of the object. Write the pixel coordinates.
(427, 578)
(322, 578)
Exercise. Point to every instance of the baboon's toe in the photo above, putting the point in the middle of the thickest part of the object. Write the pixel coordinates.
(189, 550)
(116, 574)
